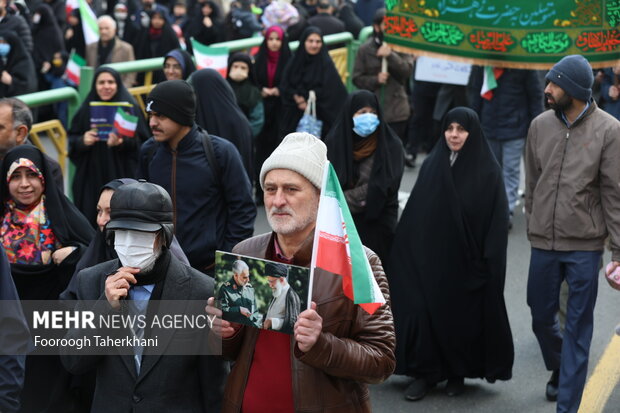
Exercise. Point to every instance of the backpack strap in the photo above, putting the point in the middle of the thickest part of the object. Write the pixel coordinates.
(210, 153)
(207, 145)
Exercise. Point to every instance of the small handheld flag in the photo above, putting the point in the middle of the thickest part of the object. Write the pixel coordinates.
(210, 57)
(125, 123)
(74, 66)
(489, 81)
(338, 248)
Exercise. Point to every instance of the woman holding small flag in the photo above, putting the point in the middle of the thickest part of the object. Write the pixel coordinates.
(368, 158)
(98, 158)
(448, 265)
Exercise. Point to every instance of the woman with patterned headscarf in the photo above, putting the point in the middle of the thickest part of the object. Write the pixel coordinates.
(44, 236)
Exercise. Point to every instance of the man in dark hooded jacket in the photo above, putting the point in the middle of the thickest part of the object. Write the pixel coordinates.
(204, 175)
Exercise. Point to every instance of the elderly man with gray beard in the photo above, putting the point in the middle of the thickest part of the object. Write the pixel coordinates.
(336, 347)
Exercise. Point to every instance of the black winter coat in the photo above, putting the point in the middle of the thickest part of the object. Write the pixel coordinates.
(517, 100)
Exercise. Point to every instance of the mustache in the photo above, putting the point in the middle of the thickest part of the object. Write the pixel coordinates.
(284, 210)
(549, 96)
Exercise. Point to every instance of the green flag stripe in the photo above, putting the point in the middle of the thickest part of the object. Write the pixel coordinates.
(126, 116)
(362, 288)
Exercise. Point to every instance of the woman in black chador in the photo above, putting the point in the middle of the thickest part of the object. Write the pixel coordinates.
(99, 161)
(368, 158)
(448, 265)
(311, 68)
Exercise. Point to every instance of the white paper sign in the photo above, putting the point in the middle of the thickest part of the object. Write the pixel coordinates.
(429, 69)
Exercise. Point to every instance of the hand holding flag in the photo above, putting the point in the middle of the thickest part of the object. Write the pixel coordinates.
(74, 67)
(125, 124)
(338, 248)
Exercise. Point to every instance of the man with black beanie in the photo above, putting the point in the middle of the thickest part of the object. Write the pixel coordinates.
(204, 175)
(571, 206)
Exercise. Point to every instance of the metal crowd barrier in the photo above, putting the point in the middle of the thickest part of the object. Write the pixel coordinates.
(344, 59)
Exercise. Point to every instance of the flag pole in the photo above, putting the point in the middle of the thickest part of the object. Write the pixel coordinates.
(315, 242)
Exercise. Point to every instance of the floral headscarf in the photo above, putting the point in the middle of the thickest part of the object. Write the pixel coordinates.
(27, 236)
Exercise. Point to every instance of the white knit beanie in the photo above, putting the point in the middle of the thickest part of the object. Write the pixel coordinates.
(300, 152)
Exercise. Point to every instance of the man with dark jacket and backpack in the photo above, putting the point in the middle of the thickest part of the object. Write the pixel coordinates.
(204, 175)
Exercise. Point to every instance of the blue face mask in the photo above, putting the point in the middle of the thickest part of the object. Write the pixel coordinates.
(365, 124)
(5, 48)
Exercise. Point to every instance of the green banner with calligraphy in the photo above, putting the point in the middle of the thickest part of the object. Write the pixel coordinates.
(509, 33)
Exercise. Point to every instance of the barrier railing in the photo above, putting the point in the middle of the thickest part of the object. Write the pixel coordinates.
(148, 65)
(53, 129)
(343, 58)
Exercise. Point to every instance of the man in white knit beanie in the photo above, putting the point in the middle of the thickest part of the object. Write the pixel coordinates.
(336, 347)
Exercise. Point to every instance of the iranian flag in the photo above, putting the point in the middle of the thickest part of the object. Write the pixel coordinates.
(74, 66)
(125, 124)
(210, 57)
(338, 248)
(71, 5)
(489, 81)
(89, 23)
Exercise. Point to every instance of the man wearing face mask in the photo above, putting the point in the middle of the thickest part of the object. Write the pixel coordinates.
(141, 227)
(381, 70)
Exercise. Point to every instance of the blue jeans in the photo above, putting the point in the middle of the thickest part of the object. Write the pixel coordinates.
(569, 353)
(508, 154)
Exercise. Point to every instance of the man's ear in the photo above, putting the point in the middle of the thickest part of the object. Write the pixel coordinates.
(22, 133)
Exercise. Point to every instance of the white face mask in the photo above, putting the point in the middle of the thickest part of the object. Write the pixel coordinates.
(36, 18)
(135, 248)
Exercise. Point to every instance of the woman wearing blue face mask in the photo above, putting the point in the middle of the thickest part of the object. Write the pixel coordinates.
(16, 67)
(368, 158)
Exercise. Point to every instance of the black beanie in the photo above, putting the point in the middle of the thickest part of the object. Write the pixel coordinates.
(574, 75)
(174, 99)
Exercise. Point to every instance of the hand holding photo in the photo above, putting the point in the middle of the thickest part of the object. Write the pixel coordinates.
(260, 293)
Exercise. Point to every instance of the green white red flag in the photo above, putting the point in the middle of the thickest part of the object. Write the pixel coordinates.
(125, 123)
(71, 5)
(489, 81)
(210, 57)
(74, 66)
(89, 23)
(338, 248)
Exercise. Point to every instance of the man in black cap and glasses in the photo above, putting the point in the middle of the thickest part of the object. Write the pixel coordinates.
(211, 194)
(142, 381)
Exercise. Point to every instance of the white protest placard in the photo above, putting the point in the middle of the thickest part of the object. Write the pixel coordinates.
(430, 69)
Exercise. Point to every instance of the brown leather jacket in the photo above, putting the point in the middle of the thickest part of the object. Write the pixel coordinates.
(354, 348)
